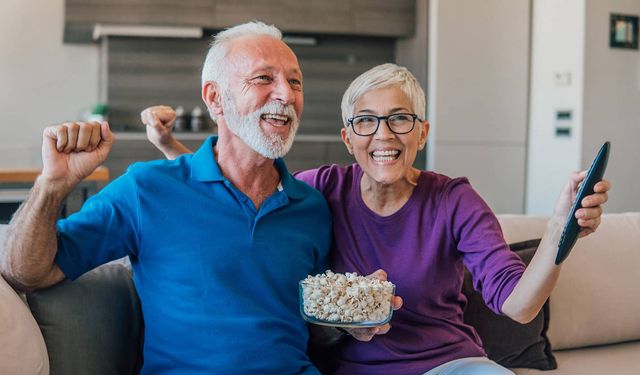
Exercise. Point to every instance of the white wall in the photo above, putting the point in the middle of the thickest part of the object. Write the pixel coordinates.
(478, 77)
(42, 81)
(573, 36)
(612, 103)
(557, 50)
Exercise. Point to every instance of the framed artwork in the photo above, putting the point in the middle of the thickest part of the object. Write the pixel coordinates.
(623, 31)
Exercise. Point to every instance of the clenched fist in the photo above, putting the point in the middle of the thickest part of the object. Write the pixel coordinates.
(159, 121)
(71, 151)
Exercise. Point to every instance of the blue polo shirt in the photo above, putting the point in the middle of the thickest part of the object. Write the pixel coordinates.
(217, 279)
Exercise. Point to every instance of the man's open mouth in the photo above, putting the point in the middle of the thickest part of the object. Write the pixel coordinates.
(276, 119)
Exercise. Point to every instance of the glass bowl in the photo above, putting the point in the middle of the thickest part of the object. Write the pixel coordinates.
(357, 307)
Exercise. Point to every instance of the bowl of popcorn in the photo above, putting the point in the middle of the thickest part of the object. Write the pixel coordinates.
(346, 300)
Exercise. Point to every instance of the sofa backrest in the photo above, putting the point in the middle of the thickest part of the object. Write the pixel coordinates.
(92, 325)
(597, 298)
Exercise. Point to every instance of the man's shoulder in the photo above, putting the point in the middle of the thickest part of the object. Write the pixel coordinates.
(160, 167)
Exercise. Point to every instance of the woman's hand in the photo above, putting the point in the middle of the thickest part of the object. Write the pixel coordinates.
(590, 214)
(366, 334)
(159, 122)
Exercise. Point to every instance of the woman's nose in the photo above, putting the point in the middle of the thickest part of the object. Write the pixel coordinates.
(384, 131)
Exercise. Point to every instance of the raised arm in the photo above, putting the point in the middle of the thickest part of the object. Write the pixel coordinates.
(540, 277)
(159, 121)
(70, 152)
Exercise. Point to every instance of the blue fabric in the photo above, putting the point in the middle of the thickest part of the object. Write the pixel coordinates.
(217, 279)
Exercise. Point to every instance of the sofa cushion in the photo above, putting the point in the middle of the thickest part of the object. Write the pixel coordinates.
(596, 298)
(508, 342)
(618, 359)
(22, 349)
(92, 325)
(518, 228)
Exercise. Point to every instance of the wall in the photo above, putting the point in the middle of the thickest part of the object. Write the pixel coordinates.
(42, 81)
(478, 77)
(557, 74)
(572, 37)
(612, 103)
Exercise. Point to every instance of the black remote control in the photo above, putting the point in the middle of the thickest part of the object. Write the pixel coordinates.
(571, 228)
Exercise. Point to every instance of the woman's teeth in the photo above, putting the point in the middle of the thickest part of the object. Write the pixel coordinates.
(385, 155)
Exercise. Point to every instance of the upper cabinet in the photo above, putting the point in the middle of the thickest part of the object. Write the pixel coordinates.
(357, 17)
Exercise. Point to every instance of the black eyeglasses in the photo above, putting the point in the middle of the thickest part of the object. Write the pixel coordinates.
(398, 123)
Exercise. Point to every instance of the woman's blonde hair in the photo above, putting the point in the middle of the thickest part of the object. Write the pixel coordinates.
(383, 76)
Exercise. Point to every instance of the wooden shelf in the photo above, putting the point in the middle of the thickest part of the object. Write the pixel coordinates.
(29, 175)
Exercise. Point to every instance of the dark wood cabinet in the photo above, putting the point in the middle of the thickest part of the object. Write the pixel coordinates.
(349, 17)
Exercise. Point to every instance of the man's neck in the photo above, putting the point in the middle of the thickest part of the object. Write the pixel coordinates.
(253, 174)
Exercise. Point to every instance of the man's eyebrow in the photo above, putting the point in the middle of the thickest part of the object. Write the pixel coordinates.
(270, 69)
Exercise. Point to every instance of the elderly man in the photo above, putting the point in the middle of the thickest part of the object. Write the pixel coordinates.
(218, 239)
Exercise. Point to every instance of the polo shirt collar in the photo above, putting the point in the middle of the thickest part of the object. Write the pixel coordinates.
(290, 186)
(203, 164)
(205, 168)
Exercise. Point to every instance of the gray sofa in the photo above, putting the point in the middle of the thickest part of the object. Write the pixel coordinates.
(591, 325)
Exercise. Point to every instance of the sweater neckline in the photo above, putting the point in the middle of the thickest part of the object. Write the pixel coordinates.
(372, 214)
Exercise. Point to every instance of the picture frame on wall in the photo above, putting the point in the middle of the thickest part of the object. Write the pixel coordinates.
(623, 31)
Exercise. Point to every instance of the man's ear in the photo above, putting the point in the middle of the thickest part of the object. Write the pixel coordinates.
(346, 140)
(212, 97)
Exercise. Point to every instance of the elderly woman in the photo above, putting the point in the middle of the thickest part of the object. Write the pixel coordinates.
(422, 228)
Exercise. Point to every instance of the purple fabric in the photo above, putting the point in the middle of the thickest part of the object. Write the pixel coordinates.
(422, 247)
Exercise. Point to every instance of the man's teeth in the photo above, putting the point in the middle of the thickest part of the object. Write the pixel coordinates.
(385, 155)
(280, 119)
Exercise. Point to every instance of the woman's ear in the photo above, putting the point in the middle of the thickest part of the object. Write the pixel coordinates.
(424, 132)
(212, 98)
(346, 140)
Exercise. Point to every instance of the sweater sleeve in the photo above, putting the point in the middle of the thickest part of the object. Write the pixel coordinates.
(322, 179)
(495, 269)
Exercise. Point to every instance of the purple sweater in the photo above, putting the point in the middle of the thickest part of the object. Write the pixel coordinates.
(422, 247)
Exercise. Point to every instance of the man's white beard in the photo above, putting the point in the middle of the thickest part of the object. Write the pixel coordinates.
(248, 128)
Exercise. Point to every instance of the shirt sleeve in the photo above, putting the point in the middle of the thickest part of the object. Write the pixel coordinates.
(494, 268)
(105, 229)
(316, 179)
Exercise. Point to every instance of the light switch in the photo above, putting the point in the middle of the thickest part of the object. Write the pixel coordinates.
(562, 78)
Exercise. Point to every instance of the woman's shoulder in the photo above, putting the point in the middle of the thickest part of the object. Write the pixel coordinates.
(438, 182)
(328, 177)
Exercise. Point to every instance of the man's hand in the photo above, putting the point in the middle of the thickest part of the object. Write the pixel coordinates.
(590, 214)
(366, 334)
(159, 122)
(71, 151)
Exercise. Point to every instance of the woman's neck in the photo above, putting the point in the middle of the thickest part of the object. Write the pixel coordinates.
(387, 199)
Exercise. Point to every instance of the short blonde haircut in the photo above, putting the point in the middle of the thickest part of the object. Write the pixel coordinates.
(383, 76)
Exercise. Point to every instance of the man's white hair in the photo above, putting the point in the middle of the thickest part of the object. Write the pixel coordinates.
(379, 77)
(214, 64)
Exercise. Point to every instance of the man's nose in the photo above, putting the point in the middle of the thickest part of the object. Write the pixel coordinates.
(283, 92)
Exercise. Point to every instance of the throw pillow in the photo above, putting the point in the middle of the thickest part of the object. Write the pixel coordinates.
(22, 349)
(92, 325)
(507, 342)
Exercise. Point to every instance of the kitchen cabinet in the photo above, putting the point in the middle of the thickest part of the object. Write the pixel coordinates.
(348, 17)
